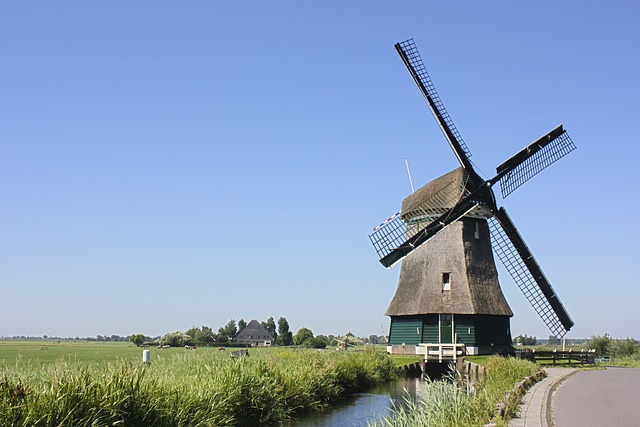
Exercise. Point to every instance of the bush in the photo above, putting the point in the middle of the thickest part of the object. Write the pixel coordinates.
(623, 348)
(315, 343)
(600, 344)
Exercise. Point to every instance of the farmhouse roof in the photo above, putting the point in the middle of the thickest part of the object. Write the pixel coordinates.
(254, 331)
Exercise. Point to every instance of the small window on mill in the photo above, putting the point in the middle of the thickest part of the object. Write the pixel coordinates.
(446, 281)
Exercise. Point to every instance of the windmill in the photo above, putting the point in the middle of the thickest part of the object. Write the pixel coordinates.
(448, 290)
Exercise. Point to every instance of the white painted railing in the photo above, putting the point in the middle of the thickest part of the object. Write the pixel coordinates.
(441, 352)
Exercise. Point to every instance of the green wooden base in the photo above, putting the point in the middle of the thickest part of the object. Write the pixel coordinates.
(484, 333)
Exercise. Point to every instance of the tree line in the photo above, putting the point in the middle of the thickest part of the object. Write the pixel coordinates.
(607, 346)
(280, 330)
(205, 335)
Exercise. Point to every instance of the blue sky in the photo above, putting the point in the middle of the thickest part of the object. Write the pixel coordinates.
(168, 165)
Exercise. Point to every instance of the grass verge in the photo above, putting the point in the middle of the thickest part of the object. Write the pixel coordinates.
(446, 404)
(404, 360)
(632, 361)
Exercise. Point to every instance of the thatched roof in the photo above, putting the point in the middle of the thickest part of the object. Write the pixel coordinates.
(254, 332)
(474, 280)
(441, 193)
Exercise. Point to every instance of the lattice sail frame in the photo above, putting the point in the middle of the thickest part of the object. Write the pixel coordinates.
(415, 60)
(516, 267)
(536, 163)
(397, 229)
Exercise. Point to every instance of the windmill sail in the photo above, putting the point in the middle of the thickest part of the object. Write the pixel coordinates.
(412, 60)
(393, 239)
(533, 159)
(442, 202)
(421, 237)
(389, 235)
(525, 271)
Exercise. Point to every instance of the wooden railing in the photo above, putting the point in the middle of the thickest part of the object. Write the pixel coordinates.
(564, 357)
(442, 352)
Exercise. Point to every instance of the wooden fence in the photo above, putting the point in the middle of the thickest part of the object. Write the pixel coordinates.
(559, 357)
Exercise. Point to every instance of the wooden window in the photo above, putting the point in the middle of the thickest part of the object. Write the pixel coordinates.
(446, 281)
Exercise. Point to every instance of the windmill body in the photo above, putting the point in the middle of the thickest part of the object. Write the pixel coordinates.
(448, 290)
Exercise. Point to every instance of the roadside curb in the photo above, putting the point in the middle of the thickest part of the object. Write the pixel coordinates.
(535, 409)
(514, 396)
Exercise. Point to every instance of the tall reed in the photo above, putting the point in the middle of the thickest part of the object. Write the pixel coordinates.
(205, 389)
(445, 404)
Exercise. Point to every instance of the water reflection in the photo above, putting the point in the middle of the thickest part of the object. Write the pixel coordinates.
(363, 408)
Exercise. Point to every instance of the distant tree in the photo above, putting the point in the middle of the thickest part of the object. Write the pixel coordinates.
(200, 336)
(241, 325)
(220, 337)
(525, 340)
(270, 325)
(137, 339)
(302, 336)
(205, 335)
(323, 338)
(600, 344)
(316, 342)
(232, 329)
(192, 334)
(284, 335)
(228, 332)
(174, 339)
(623, 347)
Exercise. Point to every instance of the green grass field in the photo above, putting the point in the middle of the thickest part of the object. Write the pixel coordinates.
(87, 384)
(47, 352)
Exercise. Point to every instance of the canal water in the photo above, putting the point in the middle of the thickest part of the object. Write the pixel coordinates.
(360, 409)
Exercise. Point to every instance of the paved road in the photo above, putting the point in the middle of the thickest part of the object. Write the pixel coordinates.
(608, 397)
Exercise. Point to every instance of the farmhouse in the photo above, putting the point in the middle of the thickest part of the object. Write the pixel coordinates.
(255, 334)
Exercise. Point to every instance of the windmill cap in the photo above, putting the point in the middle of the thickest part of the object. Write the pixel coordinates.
(440, 194)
